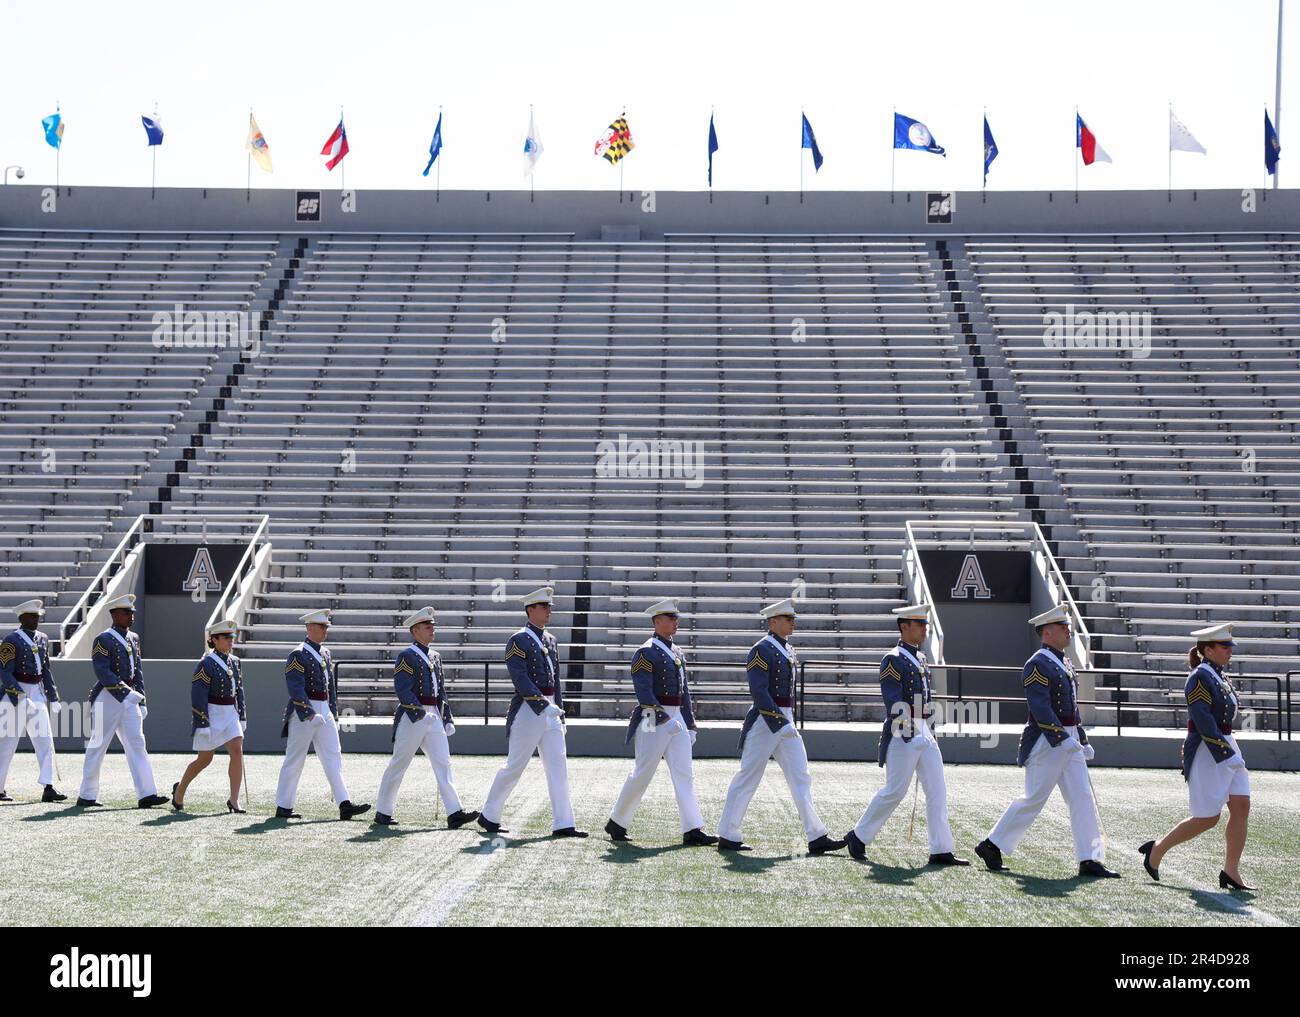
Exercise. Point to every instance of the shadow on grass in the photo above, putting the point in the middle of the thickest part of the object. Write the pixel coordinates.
(1230, 902)
(76, 810)
(271, 824)
(746, 862)
(625, 853)
(893, 875)
(375, 833)
(1041, 886)
(181, 817)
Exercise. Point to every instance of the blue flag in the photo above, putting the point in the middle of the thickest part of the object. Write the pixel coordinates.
(53, 125)
(1272, 146)
(153, 129)
(435, 146)
(990, 149)
(810, 142)
(909, 133)
(713, 147)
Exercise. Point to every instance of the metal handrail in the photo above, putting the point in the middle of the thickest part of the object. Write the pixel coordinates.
(912, 565)
(249, 555)
(75, 618)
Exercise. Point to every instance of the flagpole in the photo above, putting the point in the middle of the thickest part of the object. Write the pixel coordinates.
(893, 149)
(1076, 155)
(1170, 192)
(437, 170)
(248, 169)
(984, 185)
(620, 166)
(1277, 95)
(532, 164)
(709, 145)
(343, 170)
(801, 118)
(153, 153)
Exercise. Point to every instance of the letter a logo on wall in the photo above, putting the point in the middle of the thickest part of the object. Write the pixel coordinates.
(970, 581)
(202, 577)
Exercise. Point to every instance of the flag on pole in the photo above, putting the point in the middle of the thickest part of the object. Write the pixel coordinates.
(153, 129)
(990, 149)
(257, 146)
(809, 141)
(53, 125)
(909, 133)
(435, 146)
(1086, 141)
(532, 145)
(713, 147)
(1272, 146)
(1180, 138)
(336, 147)
(616, 142)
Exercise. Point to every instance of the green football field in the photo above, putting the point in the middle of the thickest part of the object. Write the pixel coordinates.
(120, 865)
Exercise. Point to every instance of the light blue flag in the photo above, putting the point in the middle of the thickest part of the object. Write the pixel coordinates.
(53, 125)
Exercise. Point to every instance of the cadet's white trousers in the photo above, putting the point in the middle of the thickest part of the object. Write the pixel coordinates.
(761, 744)
(428, 734)
(303, 735)
(31, 718)
(109, 718)
(534, 732)
(1046, 768)
(650, 749)
(902, 759)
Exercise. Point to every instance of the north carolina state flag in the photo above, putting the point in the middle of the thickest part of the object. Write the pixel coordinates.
(336, 147)
(1086, 141)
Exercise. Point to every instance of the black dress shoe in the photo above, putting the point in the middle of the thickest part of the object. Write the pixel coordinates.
(459, 818)
(991, 854)
(1092, 867)
(616, 832)
(1145, 852)
(568, 831)
(824, 844)
(282, 813)
(698, 838)
(491, 827)
(947, 858)
(732, 845)
(857, 848)
(1226, 882)
(52, 795)
(149, 801)
(383, 820)
(347, 810)
(4, 797)
(176, 806)
(87, 803)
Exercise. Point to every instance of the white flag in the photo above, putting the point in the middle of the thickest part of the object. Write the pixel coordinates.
(532, 146)
(1180, 138)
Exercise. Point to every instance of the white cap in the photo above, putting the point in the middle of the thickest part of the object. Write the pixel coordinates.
(779, 608)
(30, 607)
(913, 612)
(666, 606)
(223, 628)
(1214, 634)
(542, 596)
(126, 602)
(425, 614)
(1056, 614)
(321, 617)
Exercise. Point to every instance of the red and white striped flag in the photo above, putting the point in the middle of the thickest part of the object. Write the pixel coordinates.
(336, 147)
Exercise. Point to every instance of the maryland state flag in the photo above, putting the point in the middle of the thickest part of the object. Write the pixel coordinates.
(616, 142)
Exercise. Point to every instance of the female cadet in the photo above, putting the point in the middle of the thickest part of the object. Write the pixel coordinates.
(217, 705)
(1212, 763)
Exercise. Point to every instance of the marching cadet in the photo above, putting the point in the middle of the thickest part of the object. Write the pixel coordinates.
(1054, 751)
(912, 748)
(770, 670)
(28, 687)
(663, 724)
(1212, 762)
(218, 715)
(422, 704)
(119, 672)
(534, 662)
(309, 720)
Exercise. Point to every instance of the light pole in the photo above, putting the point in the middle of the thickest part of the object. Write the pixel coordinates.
(20, 174)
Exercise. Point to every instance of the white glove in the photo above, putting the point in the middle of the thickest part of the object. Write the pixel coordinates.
(144, 712)
(788, 731)
(133, 698)
(1071, 744)
(56, 708)
(243, 727)
(449, 729)
(692, 732)
(316, 720)
(675, 727)
(552, 711)
(1236, 761)
(1088, 752)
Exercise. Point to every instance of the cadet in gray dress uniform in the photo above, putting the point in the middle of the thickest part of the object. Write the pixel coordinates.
(27, 697)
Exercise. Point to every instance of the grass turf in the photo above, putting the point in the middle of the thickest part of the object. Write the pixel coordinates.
(120, 865)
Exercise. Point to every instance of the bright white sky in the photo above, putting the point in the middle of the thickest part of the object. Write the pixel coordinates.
(848, 65)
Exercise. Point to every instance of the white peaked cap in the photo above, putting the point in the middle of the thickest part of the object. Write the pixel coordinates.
(223, 628)
(127, 602)
(1214, 634)
(913, 612)
(666, 606)
(30, 607)
(780, 607)
(321, 617)
(542, 596)
(1056, 614)
(425, 614)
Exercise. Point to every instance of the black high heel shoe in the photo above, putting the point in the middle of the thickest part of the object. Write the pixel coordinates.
(1145, 852)
(178, 807)
(1226, 882)
(231, 808)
